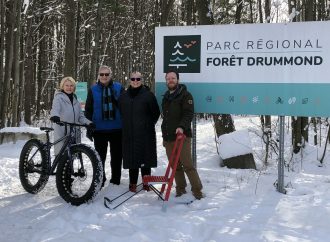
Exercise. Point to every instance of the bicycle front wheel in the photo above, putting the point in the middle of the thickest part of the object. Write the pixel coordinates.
(78, 179)
(33, 166)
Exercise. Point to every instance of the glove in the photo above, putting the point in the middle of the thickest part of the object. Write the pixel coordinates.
(91, 126)
(55, 119)
(90, 131)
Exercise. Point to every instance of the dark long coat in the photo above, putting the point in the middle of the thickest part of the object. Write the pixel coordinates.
(140, 112)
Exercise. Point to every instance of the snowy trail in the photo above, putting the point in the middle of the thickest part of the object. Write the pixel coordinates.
(240, 205)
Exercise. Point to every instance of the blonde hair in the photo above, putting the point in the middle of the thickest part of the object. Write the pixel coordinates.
(67, 78)
(137, 73)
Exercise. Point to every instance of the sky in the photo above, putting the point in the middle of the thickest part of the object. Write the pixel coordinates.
(240, 205)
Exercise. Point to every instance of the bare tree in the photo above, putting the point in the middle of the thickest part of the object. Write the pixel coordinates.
(10, 21)
(238, 13)
(2, 47)
(260, 11)
(70, 39)
(267, 10)
(16, 65)
(96, 43)
(166, 6)
(29, 88)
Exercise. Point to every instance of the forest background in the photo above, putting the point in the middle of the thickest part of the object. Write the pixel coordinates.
(42, 41)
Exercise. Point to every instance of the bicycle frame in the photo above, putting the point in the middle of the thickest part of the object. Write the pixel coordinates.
(68, 141)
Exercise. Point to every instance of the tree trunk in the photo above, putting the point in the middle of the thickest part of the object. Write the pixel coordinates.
(267, 10)
(77, 34)
(2, 47)
(309, 11)
(70, 39)
(321, 14)
(166, 6)
(10, 20)
(296, 134)
(187, 11)
(22, 77)
(251, 10)
(314, 121)
(96, 45)
(260, 12)
(204, 14)
(28, 71)
(239, 8)
(223, 124)
(266, 134)
(16, 64)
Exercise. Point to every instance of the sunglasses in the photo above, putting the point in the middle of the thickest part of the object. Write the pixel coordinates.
(104, 74)
(135, 79)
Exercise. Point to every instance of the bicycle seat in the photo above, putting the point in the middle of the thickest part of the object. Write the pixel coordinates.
(47, 129)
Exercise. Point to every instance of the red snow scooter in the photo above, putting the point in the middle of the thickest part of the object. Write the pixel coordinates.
(166, 180)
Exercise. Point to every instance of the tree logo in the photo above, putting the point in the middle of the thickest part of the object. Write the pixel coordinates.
(182, 53)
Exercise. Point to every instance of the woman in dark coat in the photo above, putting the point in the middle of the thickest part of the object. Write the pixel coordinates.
(140, 112)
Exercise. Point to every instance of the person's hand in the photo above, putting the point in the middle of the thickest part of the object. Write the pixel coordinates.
(179, 130)
(91, 126)
(90, 131)
(55, 119)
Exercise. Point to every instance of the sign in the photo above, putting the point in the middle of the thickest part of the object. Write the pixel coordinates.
(275, 69)
(81, 92)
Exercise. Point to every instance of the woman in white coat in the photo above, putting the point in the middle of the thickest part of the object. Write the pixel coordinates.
(66, 108)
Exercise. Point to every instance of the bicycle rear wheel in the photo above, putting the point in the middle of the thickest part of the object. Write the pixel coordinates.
(78, 181)
(33, 166)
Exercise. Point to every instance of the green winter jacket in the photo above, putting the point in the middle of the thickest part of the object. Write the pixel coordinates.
(178, 111)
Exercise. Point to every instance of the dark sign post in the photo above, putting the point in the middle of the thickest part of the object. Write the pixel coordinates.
(280, 166)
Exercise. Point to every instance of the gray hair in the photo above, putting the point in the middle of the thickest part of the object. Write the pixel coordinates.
(105, 67)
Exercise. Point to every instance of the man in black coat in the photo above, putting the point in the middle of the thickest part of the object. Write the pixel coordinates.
(140, 112)
(178, 111)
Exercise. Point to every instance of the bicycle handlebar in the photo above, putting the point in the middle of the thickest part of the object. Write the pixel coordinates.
(71, 124)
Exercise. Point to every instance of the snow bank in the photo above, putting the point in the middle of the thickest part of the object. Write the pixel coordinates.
(234, 144)
(31, 130)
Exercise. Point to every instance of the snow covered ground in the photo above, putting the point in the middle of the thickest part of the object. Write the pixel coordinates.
(240, 205)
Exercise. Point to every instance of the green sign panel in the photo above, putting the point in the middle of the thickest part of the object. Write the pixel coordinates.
(81, 92)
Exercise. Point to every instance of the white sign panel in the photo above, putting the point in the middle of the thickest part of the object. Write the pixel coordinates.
(279, 69)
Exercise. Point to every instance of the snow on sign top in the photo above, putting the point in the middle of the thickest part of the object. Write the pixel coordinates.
(238, 139)
(262, 69)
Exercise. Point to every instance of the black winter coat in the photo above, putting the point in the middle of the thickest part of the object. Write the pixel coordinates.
(140, 112)
(178, 112)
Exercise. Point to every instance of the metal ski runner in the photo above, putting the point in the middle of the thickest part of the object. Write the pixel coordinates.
(108, 202)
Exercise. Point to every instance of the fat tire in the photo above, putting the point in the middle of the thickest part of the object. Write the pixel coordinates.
(63, 176)
(24, 166)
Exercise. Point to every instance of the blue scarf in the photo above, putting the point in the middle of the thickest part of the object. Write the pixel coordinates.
(108, 109)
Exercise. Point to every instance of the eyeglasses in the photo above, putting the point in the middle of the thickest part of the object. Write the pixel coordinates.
(135, 79)
(104, 74)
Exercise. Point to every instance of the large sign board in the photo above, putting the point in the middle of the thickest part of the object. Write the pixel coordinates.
(276, 69)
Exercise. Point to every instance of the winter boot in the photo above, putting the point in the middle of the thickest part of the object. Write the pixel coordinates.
(132, 187)
(146, 188)
(179, 193)
(198, 195)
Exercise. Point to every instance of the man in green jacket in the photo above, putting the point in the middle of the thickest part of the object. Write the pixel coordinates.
(178, 111)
